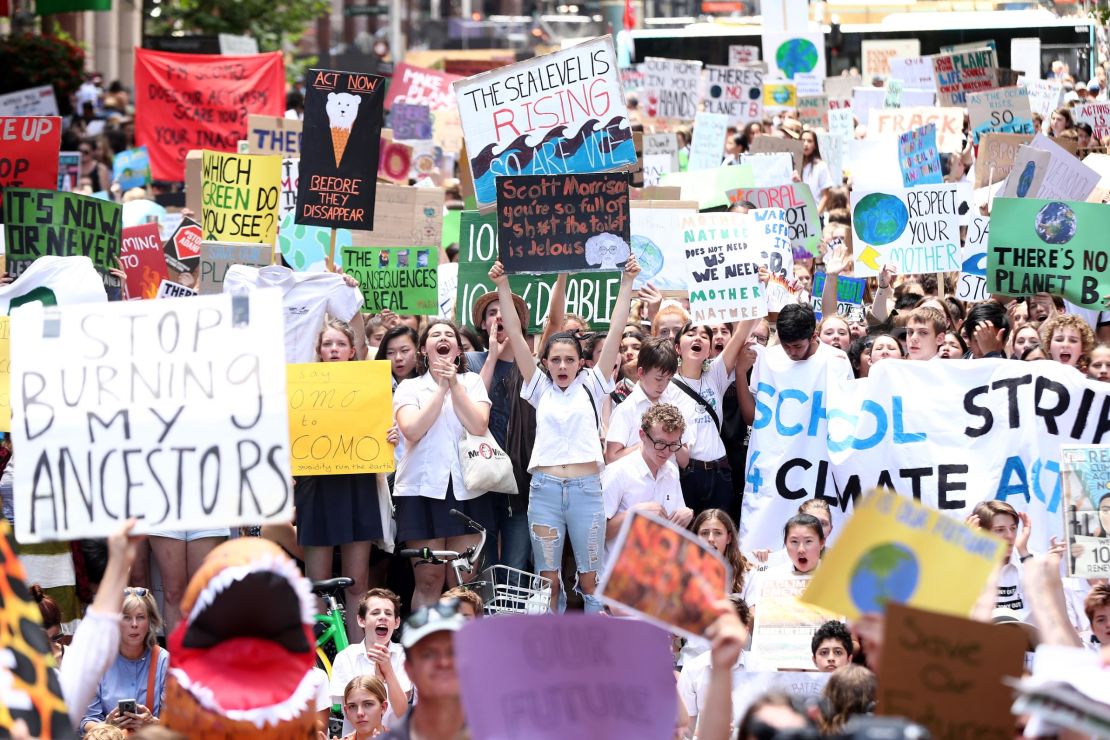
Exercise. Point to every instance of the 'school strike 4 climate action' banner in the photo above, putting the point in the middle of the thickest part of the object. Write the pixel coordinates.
(200, 101)
(950, 435)
(555, 114)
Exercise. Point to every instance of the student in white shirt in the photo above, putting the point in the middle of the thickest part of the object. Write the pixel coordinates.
(656, 364)
(565, 494)
(1001, 519)
(693, 682)
(648, 480)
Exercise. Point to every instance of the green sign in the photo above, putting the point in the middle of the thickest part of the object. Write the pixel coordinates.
(589, 295)
(41, 222)
(1049, 246)
(49, 7)
(401, 279)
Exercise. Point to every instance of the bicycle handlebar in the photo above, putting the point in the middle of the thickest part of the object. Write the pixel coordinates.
(467, 520)
(444, 556)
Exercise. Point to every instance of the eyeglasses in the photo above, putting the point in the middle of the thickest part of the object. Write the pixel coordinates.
(443, 610)
(761, 340)
(135, 591)
(672, 446)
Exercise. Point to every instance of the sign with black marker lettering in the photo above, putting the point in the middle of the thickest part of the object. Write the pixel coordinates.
(403, 280)
(173, 412)
(239, 197)
(916, 229)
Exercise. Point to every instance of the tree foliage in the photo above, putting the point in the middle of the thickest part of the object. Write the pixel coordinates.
(270, 22)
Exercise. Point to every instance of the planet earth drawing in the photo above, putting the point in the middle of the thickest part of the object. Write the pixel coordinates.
(715, 91)
(880, 218)
(650, 257)
(305, 248)
(780, 94)
(887, 572)
(796, 56)
(1055, 223)
(1025, 180)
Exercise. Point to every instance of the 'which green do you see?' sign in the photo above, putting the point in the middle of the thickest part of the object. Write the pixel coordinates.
(401, 279)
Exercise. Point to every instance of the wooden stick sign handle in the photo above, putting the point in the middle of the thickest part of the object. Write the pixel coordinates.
(331, 251)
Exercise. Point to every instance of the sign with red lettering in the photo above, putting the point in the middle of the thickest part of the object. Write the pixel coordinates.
(339, 150)
(200, 101)
(183, 253)
(143, 260)
(737, 91)
(419, 86)
(949, 121)
(959, 73)
(29, 148)
(555, 114)
(801, 213)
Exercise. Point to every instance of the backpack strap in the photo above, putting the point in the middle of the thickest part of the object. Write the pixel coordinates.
(593, 405)
(699, 400)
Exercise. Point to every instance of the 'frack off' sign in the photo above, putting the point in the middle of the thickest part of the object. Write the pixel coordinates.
(173, 412)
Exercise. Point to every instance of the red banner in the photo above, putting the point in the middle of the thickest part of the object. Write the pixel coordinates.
(200, 101)
(29, 148)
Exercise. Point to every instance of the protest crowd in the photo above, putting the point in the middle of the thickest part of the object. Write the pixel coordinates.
(662, 409)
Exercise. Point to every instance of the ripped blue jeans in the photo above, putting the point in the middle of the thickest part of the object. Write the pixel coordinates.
(562, 507)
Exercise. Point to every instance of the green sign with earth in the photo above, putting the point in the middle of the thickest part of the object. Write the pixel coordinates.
(1047, 246)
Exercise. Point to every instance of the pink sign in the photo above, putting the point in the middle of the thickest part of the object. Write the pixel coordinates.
(419, 86)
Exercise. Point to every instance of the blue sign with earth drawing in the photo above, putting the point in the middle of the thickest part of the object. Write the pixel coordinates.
(791, 54)
(305, 248)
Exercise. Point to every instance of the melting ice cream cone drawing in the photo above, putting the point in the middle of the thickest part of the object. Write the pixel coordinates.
(342, 109)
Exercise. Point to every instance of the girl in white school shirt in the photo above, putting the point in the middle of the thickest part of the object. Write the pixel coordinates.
(565, 496)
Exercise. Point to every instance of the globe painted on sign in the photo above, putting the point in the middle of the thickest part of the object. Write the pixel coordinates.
(880, 218)
(1025, 180)
(780, 94)
(796, 56)
(650, 257)
(1055, 223)
(887, 572)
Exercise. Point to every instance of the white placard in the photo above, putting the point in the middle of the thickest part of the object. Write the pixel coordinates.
(34, 101)
(708, 145)
(877, 54)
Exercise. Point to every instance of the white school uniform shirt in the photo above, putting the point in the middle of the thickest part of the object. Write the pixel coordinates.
(706, 444)
(624, 422)
(629, 481)
(1010, 594)
(307, 298)
(351, 662)
(693, 682)
(428, 463)
(566, 428)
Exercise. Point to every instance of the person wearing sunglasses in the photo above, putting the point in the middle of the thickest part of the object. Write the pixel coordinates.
(428, 640)
(648, 479)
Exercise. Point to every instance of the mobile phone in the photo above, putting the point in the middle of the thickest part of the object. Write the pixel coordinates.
(835, 243)
(126, 706)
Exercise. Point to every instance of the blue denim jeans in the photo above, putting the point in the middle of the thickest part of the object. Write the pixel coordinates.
(512, 531)
(567, 507)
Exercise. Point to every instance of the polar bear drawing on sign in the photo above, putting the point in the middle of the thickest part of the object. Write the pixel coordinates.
(342, 111)
(607, 250)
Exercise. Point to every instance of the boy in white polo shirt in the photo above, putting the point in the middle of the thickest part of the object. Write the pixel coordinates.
(656, 364)
(648, 479)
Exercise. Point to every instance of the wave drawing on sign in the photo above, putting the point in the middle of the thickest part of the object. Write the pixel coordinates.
(886, 573)
(796, 56)
(880, 218)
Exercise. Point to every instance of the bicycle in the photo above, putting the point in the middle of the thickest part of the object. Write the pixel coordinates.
(331, 626)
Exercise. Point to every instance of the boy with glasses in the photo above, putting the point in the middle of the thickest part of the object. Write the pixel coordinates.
(648, 480)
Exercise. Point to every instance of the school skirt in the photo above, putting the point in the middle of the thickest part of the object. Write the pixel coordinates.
(422, 518)
(337, 509)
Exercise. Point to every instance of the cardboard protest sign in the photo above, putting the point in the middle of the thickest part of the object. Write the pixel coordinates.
(996, 157)
(1086, 473)
(566, 658)
(877, 54)
(1045, 96)
(240, 195)
(657, 243)
(736, 91)
(894, 550)
(741, 54)
(1028, 172)
(590, 295)
(666, 575)
(131, 168)
(948, 673)
(849, 296)
(217, 257)
(563, 223)
(5, 374)
(813, 110)
(972, 283)
(707, 147)
(41, 222)
(918, 156)
(722, 269)
(138, 443)
(778, 96)
(558, 113)
(1096, 115)
(394, 161)
(671, 88)
(768, 235)
(200, 101)
(1049, 246)
(144, 261)
(833, 148)
(964, 72)
(784, 625)
(916, 73)
(1061, 176)
(339, 415)
(793, 147)
(660, 157)
(400, 279)
(342, 126)
(420, 86)
(839, 90)
(949, 123)
(789, 54)
(801, 212)
(33, 101)
(29, 152)
(1002, 111)
(183, 253)
(917, 229)
(410, 216)
(274, 135)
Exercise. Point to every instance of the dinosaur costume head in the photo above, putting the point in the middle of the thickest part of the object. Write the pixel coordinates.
(241, 657)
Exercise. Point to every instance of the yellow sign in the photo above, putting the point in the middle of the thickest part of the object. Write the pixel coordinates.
(339, 415)
(240, 194)
(780, 95)
(894, 549)
(5, 374)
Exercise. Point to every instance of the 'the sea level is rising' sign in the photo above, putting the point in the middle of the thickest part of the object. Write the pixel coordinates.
(555, 114)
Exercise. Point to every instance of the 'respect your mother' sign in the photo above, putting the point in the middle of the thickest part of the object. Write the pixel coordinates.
(555, 114)
(917, 229)
(173, 412)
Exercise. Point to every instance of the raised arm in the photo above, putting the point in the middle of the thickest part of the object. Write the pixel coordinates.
(883, 303)
(738, 341)
(513, 330)
(607, 360)
(557, 310)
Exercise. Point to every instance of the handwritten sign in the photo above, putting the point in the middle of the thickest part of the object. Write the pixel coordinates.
(1045, 96)
(144, 261)
(274, 135)
(740, 54)
(410, 216)
(339, 416)
(916, 229)
(290, 179)
(947, 673)
(722, 270)
(33, 101)
(657, 242)
(5, 374)
(1002, 111)
(812, 110)
(707, 147)
(339, 152)
(793, 147)
(996, 157)
(735, 91)
(671, 88)
(399, 279)
(410, 121)
(216, 258)
(660, 157)
(784, 625)
(563, 223)
(1096, 115)
(520, 119)
(877, 54)
(40, 222)
(174, 290)
(420, 86)
(964, 72)
(131, 168)
(949, 123)
(918, 156)
(200, 101)
(849, 296)
(29, 152)
(972, 283)
(916, 73)
(1086, 473)
(205, 445)
(804, 225)
(239, 197)
(665, 574)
